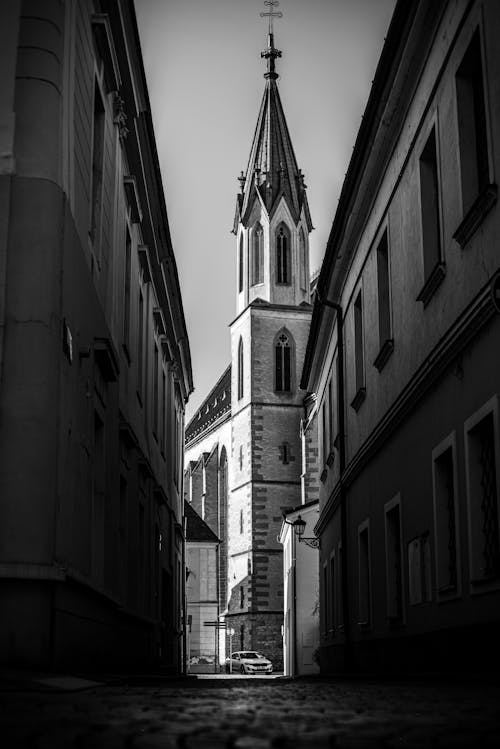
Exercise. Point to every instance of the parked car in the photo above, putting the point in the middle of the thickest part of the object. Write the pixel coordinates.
(248, 662)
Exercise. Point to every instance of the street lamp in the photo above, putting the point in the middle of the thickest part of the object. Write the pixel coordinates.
(230, 632)
(299, 526)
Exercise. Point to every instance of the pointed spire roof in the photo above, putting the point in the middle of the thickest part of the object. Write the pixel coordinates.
(272, 169)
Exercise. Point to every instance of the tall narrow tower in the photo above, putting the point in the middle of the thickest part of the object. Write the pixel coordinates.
(268, 340)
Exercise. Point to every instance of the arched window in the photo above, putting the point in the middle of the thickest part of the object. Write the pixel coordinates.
(282, 354)
(240, 265)
(283, 255)
(257, 257)
(302, 259)
(240, 369)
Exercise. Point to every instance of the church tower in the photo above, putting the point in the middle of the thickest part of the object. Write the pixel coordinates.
(268, 339)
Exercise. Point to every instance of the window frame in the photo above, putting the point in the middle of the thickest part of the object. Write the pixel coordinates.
(394, 618)
(476, 584)
(446, 592)
(257, 255)
(367, 623)
(290, 346)
(283, 255)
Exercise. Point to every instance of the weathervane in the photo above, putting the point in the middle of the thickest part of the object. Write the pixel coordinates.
(270, 13)
(271, 53)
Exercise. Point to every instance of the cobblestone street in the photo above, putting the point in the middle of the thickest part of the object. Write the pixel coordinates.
(240, 713)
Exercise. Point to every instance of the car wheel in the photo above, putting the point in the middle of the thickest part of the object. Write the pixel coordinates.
(242, 669)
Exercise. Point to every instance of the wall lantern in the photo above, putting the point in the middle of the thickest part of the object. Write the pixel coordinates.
(299, 526)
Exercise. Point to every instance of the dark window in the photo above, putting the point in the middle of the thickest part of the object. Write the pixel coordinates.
(446, 518)
(302, 259)
(140, 345)
(383, 288)
(394, 563)
(364, 577)
(429, 200)
(257, 254)
(282, 364)
(97, 167)
(358, 342)
(472, 124)
(155, 389)
(283, 255)
(240, 369)
(241, 521)
(126, 290)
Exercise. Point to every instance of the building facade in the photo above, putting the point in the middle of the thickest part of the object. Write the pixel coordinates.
(301, 626)
(202, 594)
(94, 358)
(403, 358)
(251, 445)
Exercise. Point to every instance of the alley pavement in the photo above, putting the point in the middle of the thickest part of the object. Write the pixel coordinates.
(66, 712)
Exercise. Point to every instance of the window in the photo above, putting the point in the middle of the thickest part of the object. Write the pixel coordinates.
(241, 457)
(126, 292)
(141, 529)
(419, 570)
(429, 206)
(242, 597)
(97, 168)
(257, 254)
(324, 430)
(98, 498)
(340, 597)
(283, 255)
(302, 259)
(384, 303)
(445, 517)
(163, 410)
(240, 369)
(331, 416)
(393, 561)
(282, 363)
(482, 451)
(364, 575)
(140, 346)
(285, 453)
(155, 389)
(471, 111)
(240, 265)
(359, 363)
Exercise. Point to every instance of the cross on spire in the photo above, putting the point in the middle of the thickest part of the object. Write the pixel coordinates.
(271, 53)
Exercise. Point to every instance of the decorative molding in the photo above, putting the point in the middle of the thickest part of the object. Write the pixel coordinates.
(120, 116)
(476, 214)
(384, 354)
(433, 281)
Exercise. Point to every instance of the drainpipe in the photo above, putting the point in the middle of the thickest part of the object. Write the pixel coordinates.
(184, 602)
(342, 461)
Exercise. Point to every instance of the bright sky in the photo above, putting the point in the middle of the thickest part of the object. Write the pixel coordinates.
(205, 80)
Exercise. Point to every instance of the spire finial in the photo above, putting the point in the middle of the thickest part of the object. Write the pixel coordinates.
(271, 53)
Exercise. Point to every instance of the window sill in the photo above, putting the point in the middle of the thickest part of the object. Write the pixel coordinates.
(476, 214)
(358, 399)
(432, 283)
(384, 354)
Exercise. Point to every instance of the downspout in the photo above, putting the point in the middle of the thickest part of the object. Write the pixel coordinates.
(342, 461)
(184, 603)
(294, 609)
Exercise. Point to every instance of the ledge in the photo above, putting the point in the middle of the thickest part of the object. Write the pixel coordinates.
(358, 398)
(384, 354)
(476, 214)
(432, 283)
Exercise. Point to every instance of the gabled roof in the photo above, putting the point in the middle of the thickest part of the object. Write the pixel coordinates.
(272, 169)
(196, 528)
(215, 406)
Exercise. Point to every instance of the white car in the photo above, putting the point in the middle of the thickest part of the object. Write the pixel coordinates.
(248, 662)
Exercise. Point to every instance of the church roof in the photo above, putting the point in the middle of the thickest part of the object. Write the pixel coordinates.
(216, 405)
(196, 528)
(272, 169)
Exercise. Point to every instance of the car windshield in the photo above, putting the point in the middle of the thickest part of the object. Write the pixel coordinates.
(250, 654)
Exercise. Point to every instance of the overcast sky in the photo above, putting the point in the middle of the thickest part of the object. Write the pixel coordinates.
(205, 80)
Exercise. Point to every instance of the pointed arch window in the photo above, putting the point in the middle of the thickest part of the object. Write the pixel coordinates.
(240, 369)
(257, 256)
(240, 265)
(283, 274)
(302, 259)
(283, 358)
